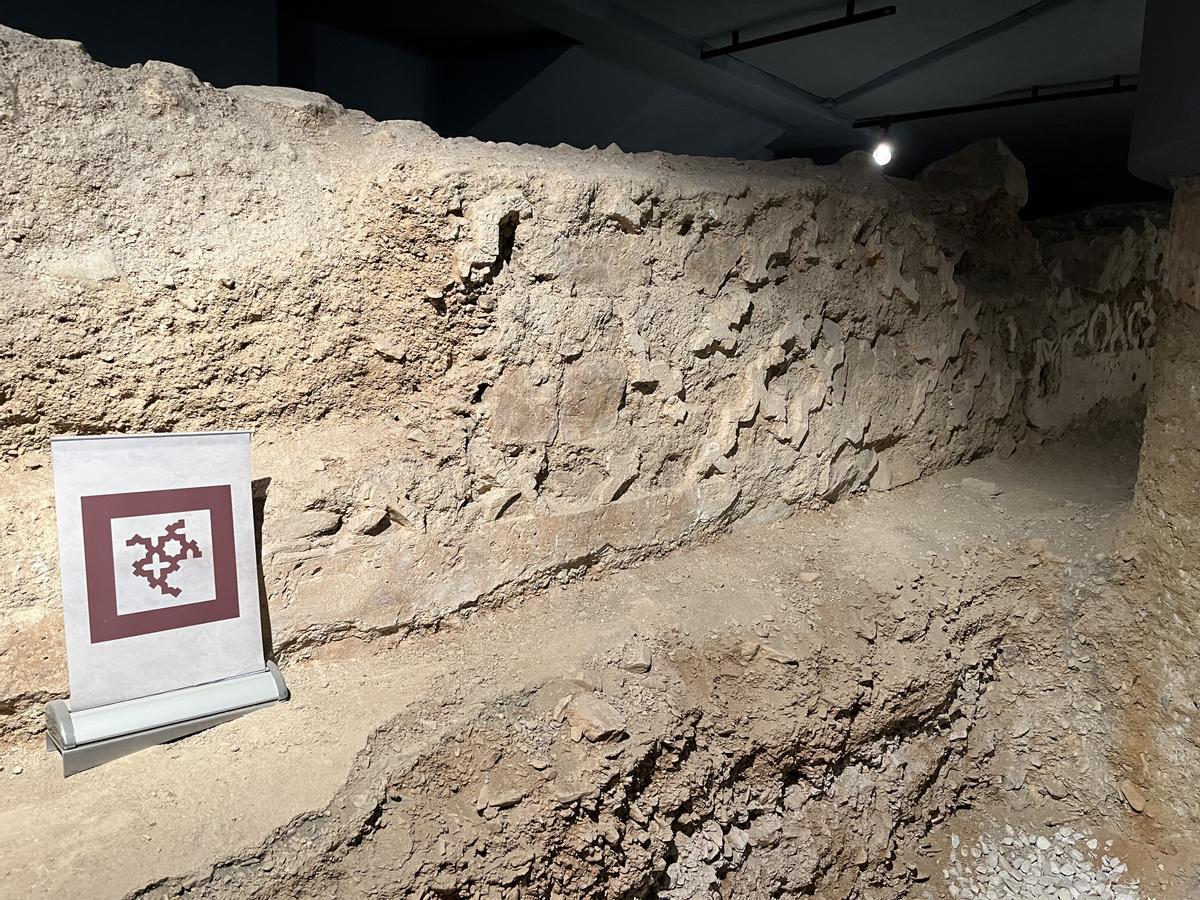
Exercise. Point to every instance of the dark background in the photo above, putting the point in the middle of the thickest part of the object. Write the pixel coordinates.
(591, 72)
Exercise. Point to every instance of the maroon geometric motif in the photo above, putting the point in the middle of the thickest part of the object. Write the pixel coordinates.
(157, 565)
(105, 621)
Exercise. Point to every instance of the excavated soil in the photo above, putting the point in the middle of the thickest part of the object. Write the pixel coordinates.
(838, 704)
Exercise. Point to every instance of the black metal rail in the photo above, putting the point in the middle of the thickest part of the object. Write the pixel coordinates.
(1036, 95)
(850, 18)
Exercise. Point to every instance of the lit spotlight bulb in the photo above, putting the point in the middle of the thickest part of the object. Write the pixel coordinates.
(882, 154)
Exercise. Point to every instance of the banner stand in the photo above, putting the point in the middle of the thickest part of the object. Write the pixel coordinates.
(159, 570)
(91, 737)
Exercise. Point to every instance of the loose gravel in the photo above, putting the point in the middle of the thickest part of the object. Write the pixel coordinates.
(1067, 865)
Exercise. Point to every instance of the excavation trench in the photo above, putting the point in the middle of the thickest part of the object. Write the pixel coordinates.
(773, 768)
(821, 739)
(809, 649)
(811, 707)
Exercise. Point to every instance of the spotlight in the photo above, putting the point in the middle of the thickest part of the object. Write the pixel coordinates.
(882, 154)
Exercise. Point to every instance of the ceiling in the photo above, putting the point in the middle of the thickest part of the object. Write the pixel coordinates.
(596, 72)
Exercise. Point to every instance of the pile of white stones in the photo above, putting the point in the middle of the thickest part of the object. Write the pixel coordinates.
(1068, 865)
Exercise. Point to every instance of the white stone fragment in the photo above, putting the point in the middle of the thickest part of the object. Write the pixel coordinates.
(1064, 865)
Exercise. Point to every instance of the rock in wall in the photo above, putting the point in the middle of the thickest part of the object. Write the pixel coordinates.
(473, 368)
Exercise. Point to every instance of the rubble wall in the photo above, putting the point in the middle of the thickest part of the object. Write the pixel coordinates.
(473, 369)
(1163, 541)
(1167, 500)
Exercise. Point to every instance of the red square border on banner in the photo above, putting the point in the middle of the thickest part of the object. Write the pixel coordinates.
(105, 623)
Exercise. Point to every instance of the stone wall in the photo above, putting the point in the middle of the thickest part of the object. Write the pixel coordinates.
(1105, 261)
(473, 369)
(1157, 738)
(1168, 499)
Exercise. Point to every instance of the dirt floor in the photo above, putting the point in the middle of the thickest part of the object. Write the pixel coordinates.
(920, 693)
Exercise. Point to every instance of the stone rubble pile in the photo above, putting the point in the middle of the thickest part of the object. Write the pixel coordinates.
(1068, 865)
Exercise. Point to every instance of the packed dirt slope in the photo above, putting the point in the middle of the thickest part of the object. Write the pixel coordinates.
(476, 369)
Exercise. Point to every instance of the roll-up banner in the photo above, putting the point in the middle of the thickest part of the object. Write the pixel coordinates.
(160, 590)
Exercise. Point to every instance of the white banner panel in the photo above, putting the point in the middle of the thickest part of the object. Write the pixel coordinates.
(158, 559)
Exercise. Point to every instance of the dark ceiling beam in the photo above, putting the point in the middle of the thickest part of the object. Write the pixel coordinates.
(646, 46)
(851, 17)
(950, 49)
(1034, 95)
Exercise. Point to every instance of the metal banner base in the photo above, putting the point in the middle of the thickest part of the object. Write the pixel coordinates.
(91, 737)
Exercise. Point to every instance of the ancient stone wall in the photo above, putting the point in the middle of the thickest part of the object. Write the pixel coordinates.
(1168, 501)
(1105, 261)
(1163, 541)
(473, 369)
